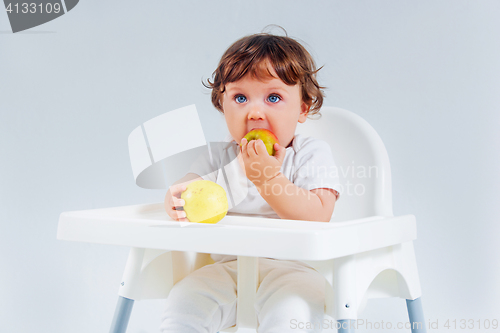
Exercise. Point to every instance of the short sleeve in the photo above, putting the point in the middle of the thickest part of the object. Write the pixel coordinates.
(205, 166)
(315, 166)
(211, 159)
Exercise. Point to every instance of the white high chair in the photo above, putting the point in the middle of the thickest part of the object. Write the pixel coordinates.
(364, 252)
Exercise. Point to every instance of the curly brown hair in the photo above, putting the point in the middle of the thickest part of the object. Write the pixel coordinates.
(251, 54)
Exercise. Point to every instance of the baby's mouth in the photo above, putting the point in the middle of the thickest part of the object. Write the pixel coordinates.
(254, 128)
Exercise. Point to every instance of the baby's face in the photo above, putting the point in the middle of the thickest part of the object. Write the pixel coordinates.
(250, 103)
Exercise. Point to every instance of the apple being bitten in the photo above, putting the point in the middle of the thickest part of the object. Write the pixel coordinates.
(266, 136)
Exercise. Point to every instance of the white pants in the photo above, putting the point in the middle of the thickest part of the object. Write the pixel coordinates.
(290, 298)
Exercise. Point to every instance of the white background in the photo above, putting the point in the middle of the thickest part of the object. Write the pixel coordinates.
(424, 74)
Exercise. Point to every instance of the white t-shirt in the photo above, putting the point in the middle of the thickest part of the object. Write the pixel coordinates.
(308, 164)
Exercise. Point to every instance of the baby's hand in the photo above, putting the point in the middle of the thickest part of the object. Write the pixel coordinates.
(174, 204)
(259, 165)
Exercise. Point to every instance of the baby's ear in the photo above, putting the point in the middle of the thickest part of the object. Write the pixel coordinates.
(304, 111)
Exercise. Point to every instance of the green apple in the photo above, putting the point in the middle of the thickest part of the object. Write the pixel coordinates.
(266, 136)
(206, 202)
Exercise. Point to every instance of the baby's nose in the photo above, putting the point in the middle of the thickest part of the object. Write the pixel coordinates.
(256, 112)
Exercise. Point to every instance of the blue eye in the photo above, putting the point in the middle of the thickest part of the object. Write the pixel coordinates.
(240, 99)
(274, 98)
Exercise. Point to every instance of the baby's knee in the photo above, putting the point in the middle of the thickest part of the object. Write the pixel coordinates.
(198, 304)
(288, 301)
(189, 293)
(188, 310)
(290, 307)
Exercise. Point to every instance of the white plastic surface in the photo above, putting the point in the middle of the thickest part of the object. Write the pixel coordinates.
(360, 259)
(248, 283)
(148, 226)
(362, 163)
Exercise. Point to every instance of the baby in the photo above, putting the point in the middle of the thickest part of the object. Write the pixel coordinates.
(262, 81)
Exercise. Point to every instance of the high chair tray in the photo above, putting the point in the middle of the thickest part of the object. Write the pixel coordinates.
(149, 226)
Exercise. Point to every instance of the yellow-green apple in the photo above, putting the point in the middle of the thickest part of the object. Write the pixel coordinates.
(266, 136)
(205, 202)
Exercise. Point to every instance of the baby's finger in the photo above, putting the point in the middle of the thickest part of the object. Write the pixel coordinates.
(244, 146)
(280, 152)
(173, 214)
(173, 201)
(260, 148)
(181, 214)
(178, 202)
(251, 149)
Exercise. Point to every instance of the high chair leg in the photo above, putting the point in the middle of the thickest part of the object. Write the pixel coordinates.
(416, 315)
(345, 326)
(122, 315)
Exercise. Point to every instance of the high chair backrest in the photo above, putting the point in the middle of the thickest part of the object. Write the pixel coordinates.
(361, 161)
